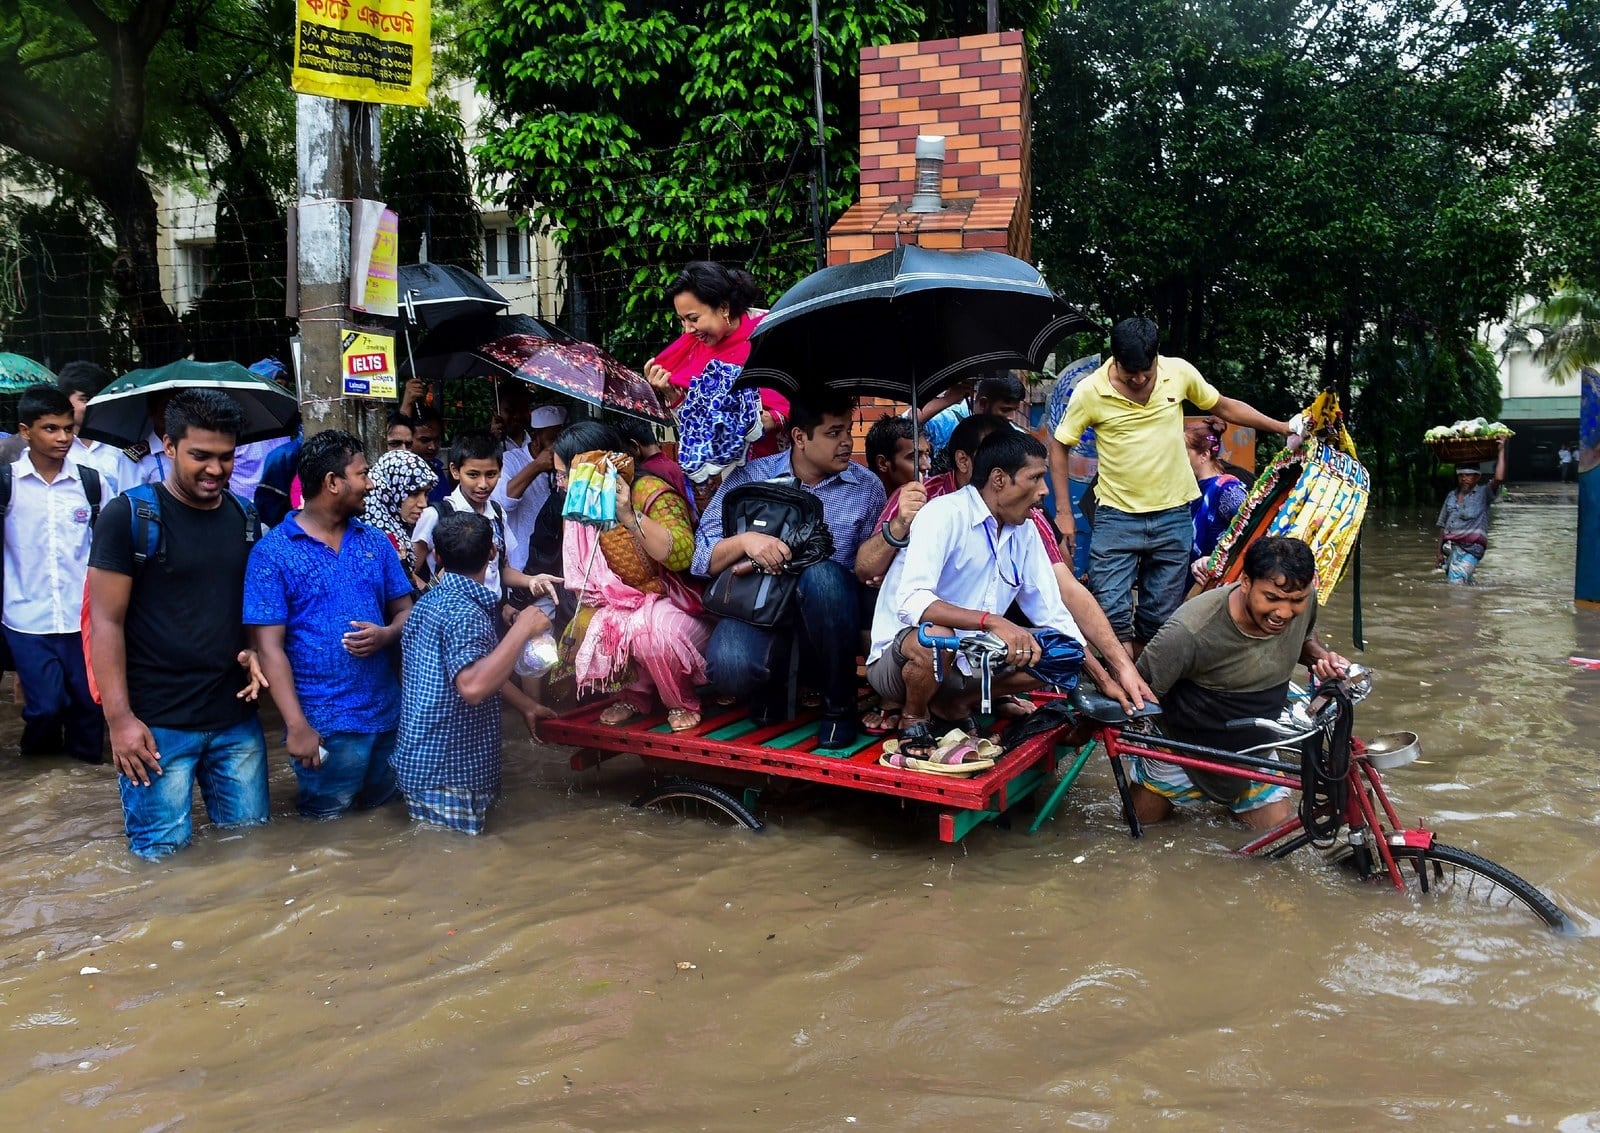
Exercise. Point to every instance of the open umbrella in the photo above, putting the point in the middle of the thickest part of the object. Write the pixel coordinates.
(576, 369)
(431, 294)
(449, 351)
(119, 414)
(18, 373)
(914, 319)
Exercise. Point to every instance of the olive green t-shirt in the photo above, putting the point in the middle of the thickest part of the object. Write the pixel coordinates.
(1203, 645)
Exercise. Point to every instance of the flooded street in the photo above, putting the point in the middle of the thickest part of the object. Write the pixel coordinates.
(848, 970)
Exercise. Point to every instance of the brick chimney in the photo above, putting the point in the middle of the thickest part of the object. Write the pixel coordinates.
(974, 92)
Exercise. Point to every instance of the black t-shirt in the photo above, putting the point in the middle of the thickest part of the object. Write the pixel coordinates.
(185, 626)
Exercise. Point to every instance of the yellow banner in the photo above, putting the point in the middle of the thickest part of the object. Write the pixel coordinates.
(367, 359)
(366, 50)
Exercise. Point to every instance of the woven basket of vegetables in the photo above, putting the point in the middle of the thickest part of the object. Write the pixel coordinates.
(1466, 442)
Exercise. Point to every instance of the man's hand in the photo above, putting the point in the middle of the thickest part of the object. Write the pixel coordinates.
(305, 745)
(1132, 692)
(1021, 646)
(1330, 667)
(415, 393)
(912, 496)
(544, 457)
(366, 639)
(766, 551)
(133, 749)
(544, 586)
(251, 662)
(532, 716)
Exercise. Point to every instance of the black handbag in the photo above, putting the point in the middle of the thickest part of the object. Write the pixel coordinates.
(783, 509)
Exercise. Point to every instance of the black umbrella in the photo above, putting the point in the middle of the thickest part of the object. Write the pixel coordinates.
(431, 294)
(911, 320)
(450, 351)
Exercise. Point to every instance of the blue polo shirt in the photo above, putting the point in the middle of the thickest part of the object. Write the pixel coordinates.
(301, 584)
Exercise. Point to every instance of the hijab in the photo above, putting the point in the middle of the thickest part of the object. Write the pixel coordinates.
(397, 475)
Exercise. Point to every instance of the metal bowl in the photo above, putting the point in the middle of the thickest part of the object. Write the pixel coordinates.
(1393, 749)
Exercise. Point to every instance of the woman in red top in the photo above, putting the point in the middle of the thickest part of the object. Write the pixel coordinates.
(718, 308)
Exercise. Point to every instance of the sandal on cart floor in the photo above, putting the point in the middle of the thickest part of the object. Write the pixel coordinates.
(881, 721)
(618, 714)
(915, 742)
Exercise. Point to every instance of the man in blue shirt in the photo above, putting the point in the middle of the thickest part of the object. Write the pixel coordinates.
(325, 597)
(447, 760)
(750, 663)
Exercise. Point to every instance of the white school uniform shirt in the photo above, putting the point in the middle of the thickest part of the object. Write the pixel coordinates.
(520, 513)
(423, 532)
(960, 554)
(107, 460)
(152, 467)
(47, 547)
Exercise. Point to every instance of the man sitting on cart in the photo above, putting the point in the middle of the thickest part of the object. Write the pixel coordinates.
(1229, 654)
(971, 554)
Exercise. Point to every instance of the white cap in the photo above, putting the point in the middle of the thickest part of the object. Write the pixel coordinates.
(547, 417)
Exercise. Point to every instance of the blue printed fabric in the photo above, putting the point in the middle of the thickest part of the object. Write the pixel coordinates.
(302, 584)
(716, 423)
(1212, 510)
(444, 741)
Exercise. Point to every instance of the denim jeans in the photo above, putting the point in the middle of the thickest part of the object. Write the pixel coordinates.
(59, 715)
(751, 664)
(355, 774)
(231, 766)
(1150, 550)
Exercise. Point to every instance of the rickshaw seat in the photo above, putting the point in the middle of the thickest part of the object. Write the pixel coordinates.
(1091, 702)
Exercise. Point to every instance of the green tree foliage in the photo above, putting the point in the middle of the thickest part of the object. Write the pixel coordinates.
(1564, 330)
(427, 181)
(648, 135)
(97, 99)
(1301, 193)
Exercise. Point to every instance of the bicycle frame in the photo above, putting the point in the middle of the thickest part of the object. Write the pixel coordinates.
(1364, 799)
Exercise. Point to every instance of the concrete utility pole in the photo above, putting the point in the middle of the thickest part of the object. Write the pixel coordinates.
(336, 157)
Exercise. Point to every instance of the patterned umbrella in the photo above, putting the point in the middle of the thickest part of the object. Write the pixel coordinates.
(18, 373)
(577, 370)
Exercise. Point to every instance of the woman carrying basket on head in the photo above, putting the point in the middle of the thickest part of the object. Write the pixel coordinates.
(1464, 519)
(636, 631)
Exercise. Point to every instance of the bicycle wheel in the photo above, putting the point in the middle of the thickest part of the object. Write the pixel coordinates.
(689, 798)
(1446, 873)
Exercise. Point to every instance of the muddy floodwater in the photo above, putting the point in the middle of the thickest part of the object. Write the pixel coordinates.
(587, 966)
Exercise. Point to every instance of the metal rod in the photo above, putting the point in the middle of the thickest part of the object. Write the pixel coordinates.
(820, 214)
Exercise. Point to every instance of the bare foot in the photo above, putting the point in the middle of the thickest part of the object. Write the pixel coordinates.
(618, 714)
(682, 719)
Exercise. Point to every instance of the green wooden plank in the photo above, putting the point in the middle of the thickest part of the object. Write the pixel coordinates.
(862, 741)
(733, 731)
(789, 739)
(1071, 777)
(964, 822)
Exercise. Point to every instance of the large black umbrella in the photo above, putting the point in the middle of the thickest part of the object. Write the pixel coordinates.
(431, 294)
(450, 351)
(909, 321)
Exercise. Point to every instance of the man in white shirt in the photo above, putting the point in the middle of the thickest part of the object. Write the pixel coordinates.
(80, 381)
(972, 553)
(49, 517)
(528, 476)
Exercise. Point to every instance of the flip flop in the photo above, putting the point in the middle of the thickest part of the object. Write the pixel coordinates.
(969, 768)
(888, 720)
(914, 742)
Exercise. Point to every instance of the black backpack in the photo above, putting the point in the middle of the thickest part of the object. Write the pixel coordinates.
(783, 509)
(91, 492)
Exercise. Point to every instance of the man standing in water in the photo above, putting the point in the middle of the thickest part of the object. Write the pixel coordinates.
(325, 599)
(166, 586)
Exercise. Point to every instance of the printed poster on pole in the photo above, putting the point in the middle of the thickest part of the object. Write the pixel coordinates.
(366, 360)
(365, 50)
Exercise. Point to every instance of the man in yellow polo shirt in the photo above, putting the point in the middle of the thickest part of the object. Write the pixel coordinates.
(1142, 529)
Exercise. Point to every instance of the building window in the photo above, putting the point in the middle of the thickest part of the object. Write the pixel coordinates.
(506, 254)
(194, 272)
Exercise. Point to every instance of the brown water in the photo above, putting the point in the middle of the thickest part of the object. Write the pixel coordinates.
(849, 971)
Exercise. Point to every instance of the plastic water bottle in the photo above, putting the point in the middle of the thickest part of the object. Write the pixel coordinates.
(537, 656)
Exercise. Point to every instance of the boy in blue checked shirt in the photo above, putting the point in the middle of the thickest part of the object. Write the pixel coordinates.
(324, 599)
(447, 759)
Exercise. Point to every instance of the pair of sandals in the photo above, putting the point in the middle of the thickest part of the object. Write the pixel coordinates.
(621, 712)
(885, 719)
(955, 753)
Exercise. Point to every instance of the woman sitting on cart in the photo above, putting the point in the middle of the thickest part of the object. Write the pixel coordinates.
(636, 631)
(971, 554)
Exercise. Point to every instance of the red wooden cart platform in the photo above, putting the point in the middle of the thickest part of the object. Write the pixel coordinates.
(731, 741)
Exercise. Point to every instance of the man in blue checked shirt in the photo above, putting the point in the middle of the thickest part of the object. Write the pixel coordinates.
(325, 597)
(447, 760)
(750, 664)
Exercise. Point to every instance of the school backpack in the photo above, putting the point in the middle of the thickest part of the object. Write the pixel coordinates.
(91, 492)
(150, 542)
(447, 506)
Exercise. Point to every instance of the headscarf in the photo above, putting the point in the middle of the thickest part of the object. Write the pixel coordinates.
(397, 474)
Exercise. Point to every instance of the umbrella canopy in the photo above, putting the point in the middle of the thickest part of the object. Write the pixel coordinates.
(914, 319)
(449, 351)
(431, 294)
(577, 370)
(18, 373)
(120, 414)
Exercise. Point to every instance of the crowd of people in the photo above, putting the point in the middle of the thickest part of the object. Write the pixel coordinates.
(386, 609)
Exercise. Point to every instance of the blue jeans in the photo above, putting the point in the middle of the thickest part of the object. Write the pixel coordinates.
(60, 714)
(751, 664)
(1151, 550)
(231, 765)
(355, 774)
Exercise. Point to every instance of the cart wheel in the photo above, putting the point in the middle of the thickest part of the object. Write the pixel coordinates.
(689, 798)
